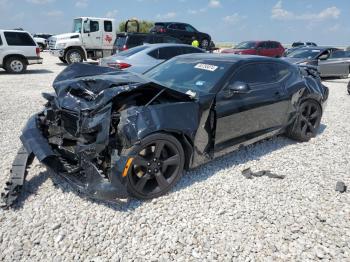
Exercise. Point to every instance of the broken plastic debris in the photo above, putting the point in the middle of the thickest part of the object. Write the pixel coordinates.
(247, 173)
(340, 187)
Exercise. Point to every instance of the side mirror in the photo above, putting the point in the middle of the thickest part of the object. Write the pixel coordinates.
(86, 26)
(238, 88)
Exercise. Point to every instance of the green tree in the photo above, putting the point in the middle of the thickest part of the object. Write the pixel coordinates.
(145, 26)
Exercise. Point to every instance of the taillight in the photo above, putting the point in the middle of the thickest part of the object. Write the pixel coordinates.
(123, 65)
(124, 48)
(37, 50)
(118, 65)
(162, 30)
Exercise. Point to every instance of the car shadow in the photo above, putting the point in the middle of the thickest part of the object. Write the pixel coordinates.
(193, 176)
(29, 72)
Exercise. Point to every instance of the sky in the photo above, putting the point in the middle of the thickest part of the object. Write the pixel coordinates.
(325, 22)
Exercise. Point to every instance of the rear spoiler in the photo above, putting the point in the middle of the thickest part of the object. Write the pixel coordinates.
(310, 70)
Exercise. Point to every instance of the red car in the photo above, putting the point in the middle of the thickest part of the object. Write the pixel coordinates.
(262, 48)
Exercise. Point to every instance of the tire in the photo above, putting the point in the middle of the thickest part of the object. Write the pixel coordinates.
(205, 44)
(74, 56)
(15, 65)
(307, 122)
(63, 60)
(150, 176)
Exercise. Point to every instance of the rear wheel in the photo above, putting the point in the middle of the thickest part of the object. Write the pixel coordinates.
(157, 166)
(15, 65)
(307, 122)
(74, 56)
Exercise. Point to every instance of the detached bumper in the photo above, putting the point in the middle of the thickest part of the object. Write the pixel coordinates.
(57, 52)
(87, 178)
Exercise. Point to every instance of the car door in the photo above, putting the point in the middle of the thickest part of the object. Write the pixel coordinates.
(92, 34)
(262, 49)
(336, 65)
(243, 116)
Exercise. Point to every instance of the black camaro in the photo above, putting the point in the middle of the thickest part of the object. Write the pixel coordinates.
(112, 133)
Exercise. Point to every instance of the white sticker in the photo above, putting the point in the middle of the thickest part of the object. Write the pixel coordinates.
(200, 83)
(191, 93)
(207, 67)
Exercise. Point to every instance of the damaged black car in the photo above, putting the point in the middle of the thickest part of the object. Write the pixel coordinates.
(114, 134)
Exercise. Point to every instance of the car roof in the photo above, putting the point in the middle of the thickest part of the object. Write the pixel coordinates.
(231, 58)
(15, 31)
(167, 45)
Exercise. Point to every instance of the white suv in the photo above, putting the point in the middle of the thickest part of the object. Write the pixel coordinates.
(17, 50)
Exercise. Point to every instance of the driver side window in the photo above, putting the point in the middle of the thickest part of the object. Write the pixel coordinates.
(255, 75)
(94, 26)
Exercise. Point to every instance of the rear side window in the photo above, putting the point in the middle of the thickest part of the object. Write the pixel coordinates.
(108, 26)
(120, 41)
(166, 53)
(256, 74)
(19, 39)
(133, 51)
(0, 40)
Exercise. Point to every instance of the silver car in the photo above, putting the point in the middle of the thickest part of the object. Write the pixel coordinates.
(141, 58)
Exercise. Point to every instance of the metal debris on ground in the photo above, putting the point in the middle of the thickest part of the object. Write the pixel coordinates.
(340, 187)
(249, 174)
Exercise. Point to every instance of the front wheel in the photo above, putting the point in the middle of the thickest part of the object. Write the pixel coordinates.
(74, 56)
(157, 166)
(307, 122)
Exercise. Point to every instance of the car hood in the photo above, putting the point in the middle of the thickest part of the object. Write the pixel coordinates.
(65, 36)
(88, 87)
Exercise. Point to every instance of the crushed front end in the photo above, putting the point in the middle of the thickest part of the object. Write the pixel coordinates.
(86, 125)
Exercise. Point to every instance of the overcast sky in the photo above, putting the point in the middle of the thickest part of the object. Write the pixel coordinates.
(326, 22)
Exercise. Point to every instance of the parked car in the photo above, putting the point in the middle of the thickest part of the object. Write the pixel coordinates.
(41, 35)
(297, 45)
(262, 48)
(349, 88)
(141, 58)
(182, 31)
(303, 44)
(42, 40)
(18, 50)
(126, 41)
(113, 134)
(331, 61)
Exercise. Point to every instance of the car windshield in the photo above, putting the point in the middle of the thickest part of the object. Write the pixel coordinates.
(189, 75)
(132, 51)
(309, 53)
(246, 45)
(77, 26)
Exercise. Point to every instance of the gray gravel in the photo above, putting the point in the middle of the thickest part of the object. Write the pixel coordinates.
(214, 213)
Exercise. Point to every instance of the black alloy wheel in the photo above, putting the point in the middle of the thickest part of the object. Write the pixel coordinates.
(157, 166)
(308, 121)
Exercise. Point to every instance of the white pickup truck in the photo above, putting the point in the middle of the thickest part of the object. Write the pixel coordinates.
(18, 50)
(91, 38)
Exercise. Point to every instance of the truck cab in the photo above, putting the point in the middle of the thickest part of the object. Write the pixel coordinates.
(91, 38)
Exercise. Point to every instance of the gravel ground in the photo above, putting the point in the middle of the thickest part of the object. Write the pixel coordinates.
(214, 213)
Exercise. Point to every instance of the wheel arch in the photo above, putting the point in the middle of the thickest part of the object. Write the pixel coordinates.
(14, 55)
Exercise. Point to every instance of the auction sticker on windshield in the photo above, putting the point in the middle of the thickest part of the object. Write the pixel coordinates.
(207, 67)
